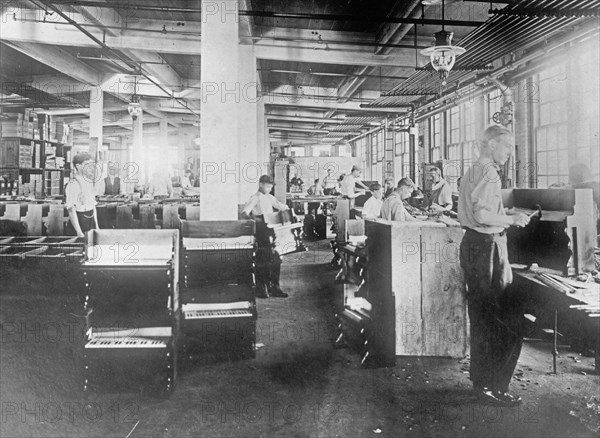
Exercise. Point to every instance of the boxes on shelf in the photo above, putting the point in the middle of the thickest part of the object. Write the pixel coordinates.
(37, 155)
(11, 128)
(31, 185)
(26, 155)
(50, 156)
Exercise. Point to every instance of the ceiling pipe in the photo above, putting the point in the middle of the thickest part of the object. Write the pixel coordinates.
(481, 82)
(362, 18)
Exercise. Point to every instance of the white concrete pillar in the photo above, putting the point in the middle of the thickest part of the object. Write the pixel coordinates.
(181, 149)
(138, 154)
(221, 93)
(249, 137)
(163, 147)
(96, 122)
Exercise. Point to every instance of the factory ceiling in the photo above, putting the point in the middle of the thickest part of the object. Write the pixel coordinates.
(320, 63)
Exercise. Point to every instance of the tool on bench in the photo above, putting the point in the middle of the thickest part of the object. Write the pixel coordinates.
(538, 211)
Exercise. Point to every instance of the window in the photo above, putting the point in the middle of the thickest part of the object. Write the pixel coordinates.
(402, 151)
(373, 148)
(321, 151)
(469, 121)
(552, 146)
(345, 150)
(297, 151)
(454, 125)
(436, 138)
(380, 145)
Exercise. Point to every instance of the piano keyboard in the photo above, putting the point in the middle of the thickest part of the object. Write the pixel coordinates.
(128, 342)
(208, 314)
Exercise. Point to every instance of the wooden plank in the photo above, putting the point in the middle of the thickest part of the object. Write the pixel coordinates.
(12, 212)
(355, 227)
(217, 229)
(33, 220)
(125, 217)
(192, 212)
(341, 214)
(147, 216)
(138, 236)
(444, 308)
(55, 222)
(171, 218)
(406, 287)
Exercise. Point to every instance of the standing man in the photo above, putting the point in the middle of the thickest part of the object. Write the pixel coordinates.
(393, 208)
(495, 337)
(441, 192)
(348, 185)
(80, 195)
(112, 183)
(372, 208)
(160, 186)
(329, 183)
(268, 260)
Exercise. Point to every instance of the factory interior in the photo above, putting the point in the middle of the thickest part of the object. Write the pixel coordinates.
(310, 218)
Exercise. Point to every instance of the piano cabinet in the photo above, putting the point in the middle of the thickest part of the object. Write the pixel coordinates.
(132, 306)
(218, 302)
(416, 290)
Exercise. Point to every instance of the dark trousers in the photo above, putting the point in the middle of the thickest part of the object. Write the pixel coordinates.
(494, 310)
(268, 261)
(86, 222)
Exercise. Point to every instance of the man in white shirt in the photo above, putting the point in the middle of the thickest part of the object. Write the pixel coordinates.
(268, 260)
(372, 208)
(348, 185)
(80, 195)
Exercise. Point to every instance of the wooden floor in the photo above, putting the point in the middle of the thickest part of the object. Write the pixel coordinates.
(298, 385)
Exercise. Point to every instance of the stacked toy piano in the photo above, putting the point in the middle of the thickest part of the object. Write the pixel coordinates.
(132, 305)
(218, 303)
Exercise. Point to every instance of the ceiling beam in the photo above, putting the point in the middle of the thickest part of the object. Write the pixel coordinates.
(304, 119)
(62, 34)
(405, 57)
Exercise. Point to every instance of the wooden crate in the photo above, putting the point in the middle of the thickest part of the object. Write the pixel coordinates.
(416, 288)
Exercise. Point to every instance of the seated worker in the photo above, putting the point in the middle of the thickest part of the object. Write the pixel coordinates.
(388, 187)
(348, 185)
(315, 190)
(159, 186)
(393, 207)
(80, 195)
(112, 183)
(186, 184)
(372, 208)
(441, 193)
(268, 260)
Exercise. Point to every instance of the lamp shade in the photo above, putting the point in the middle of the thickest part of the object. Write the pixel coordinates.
(443, 54)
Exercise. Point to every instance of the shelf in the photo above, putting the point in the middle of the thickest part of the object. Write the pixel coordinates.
(54, 143)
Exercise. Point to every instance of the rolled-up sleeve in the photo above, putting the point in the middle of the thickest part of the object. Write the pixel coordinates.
(250, 205)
